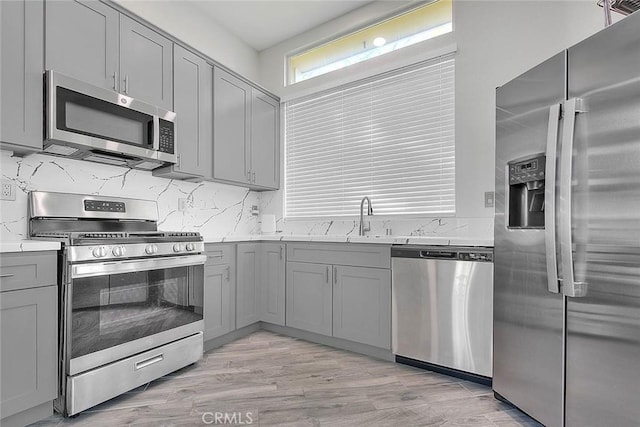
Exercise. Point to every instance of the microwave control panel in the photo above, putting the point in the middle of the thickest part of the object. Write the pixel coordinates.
(167, 144)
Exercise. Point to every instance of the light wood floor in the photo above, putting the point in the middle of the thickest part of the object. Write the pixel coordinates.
(283, 381)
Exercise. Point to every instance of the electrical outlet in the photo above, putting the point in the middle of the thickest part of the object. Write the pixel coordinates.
(184, 204)
(8, 190)
(489, 197)
(254, 210)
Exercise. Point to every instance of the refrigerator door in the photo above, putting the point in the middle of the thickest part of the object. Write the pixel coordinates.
(603, 327)
(528, 317)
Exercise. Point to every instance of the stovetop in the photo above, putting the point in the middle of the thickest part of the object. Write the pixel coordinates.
(121, 238)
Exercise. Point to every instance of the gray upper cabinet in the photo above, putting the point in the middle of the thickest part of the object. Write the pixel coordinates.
(193, 103)
(93, 42)
(362, 305)
(231, 110)
(29, 331)
(21, 53)
(265, 140)
(146, 64)
(82, 41)
(272, 283)
(246, 134)
(309, 297)
(247, 287)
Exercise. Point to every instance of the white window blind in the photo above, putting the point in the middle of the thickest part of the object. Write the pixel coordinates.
(390, 137)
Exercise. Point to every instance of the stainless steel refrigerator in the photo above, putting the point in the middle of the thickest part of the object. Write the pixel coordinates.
(567, 234)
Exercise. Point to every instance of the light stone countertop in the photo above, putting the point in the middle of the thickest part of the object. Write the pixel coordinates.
(387, 240)
(28, 246)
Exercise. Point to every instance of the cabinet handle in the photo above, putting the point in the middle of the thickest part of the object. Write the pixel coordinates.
(327, 274)
(249, 176)
(253, 177)
(115, 81)
(335, 275)
(228, 273)
(281, 250)
(126, 85)
(6, 275)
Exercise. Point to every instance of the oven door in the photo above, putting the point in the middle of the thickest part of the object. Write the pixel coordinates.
(117, 309)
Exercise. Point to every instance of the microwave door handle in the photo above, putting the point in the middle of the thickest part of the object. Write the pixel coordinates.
(155, 133)
(550, 200)
(570, 287)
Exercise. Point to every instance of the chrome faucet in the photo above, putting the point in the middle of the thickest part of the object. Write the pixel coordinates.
(364, 228)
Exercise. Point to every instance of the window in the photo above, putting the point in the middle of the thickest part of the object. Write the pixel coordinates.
(406, 29)
(390, 137)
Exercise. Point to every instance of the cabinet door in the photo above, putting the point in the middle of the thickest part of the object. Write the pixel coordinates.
(146, 68)
(28, 348)
(219, 301)
(193, 103)
(265, 140)
(272, 283)
(362, 305)
(231, 109)
(21, 55)
(309, 297)
(247, 293)
(82, 41)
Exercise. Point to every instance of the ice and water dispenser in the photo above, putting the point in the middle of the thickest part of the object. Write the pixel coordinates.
(526, 192)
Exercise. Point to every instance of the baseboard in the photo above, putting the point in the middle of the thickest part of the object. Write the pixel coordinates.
(231, 336)
(378, 353)
(28, 416)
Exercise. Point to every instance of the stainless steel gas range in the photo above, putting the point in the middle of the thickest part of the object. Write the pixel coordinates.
(130, 295)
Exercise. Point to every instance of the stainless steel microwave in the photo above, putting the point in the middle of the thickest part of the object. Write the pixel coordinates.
(96, 124)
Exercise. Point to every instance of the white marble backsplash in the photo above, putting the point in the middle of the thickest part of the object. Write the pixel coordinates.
(480, 228)
(212, 209)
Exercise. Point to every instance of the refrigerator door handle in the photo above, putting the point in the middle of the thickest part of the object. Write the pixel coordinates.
(570, 287)
(550, 199)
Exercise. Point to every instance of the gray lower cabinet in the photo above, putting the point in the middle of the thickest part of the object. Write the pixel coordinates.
(246, 136)
(28, 334)
(193, 103)
(247, 288)
(272, 283)
(219, 290)
(309, 297)
(21, 56)
(219, 301)
(362, 305)
(92, 42)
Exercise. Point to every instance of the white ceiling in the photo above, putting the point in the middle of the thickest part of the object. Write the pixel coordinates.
(265, 23)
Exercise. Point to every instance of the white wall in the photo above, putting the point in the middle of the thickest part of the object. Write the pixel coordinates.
(193, 27)
(496, 41)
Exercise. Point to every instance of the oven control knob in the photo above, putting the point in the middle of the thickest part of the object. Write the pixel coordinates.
(191, 247)
(118, 251)
(151, 249)
(99, 252)
(177, 247)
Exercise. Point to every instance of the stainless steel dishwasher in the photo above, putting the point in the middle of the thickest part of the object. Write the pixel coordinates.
(442, 309)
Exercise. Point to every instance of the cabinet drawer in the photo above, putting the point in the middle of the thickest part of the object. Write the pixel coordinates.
(218, 254)
(22, 270)
(363, 255)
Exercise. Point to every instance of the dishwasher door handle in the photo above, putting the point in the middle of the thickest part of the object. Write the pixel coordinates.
(438, 254)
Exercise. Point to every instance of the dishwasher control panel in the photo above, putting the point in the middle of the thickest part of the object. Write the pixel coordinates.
(475, 256)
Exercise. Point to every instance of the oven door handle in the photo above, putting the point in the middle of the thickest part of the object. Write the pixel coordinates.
(105, 268)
